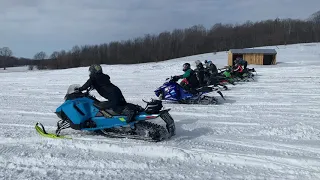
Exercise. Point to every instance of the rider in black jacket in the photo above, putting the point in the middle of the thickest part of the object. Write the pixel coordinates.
(101, 82)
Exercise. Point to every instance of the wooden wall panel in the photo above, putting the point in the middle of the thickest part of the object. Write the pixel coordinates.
(274, 59)
(230, 58)
(254, 58)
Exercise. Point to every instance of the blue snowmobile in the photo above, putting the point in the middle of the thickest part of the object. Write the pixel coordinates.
(82, 111)
(171, 91)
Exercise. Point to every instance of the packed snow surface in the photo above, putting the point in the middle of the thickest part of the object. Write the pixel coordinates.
(266, 129)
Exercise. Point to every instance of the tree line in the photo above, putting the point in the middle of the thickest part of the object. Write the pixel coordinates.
(8, 60)
(184, 42)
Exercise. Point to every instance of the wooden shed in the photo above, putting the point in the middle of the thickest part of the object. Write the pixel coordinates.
(253, 56)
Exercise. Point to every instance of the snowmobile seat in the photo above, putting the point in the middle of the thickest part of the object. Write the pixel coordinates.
(111, 112)
(99, 105)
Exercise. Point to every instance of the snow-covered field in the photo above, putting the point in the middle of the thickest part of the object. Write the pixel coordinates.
(267, 129)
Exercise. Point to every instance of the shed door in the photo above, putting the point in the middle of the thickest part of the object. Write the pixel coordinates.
(267, 59)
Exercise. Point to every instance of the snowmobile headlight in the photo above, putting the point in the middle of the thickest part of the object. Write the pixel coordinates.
(58, 114)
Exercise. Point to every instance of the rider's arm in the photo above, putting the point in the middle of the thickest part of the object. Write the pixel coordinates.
(86, 85)
(186, 74)
(237, 68)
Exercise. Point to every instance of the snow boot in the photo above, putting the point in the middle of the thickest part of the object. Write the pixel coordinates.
(129, 113)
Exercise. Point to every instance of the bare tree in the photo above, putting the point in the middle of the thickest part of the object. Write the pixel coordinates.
(54, 55)
(40, 57)
(6, 53)
(315, 17)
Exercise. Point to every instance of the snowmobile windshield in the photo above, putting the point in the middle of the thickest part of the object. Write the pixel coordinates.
(71, 90)
(72, 87)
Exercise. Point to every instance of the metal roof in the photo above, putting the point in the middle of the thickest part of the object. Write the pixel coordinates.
(253, 51)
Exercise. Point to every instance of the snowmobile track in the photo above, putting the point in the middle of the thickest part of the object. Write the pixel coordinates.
(144, 130)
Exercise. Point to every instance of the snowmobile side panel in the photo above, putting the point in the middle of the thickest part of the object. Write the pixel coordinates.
(173, 92)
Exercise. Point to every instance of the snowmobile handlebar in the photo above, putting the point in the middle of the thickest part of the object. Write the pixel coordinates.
(173, 78)
(88, 90)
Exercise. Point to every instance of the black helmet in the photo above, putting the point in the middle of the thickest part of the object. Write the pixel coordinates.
(95, 69)
(186, 66)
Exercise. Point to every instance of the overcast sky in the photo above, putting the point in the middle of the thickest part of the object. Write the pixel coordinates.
(30, 26)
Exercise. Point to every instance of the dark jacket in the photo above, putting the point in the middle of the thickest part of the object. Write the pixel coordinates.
(213, 69)
(200, 71)
(101, 82)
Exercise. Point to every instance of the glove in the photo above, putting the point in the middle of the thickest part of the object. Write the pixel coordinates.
(175, 78)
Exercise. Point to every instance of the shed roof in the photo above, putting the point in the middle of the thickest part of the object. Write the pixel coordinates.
(253, 51)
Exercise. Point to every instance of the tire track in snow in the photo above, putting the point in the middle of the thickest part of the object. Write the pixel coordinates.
(214, 157)
(25, 158)
(47, 157)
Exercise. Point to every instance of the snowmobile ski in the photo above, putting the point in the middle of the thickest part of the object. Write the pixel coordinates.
(219, 92)
(40, 129)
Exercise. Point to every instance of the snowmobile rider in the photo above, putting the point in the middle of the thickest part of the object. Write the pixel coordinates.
(211, 68)
(191, 77)
(206, 63)
(241, 62)
(211, 73)
(200, 72)
(238, 70)
(101, 82)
